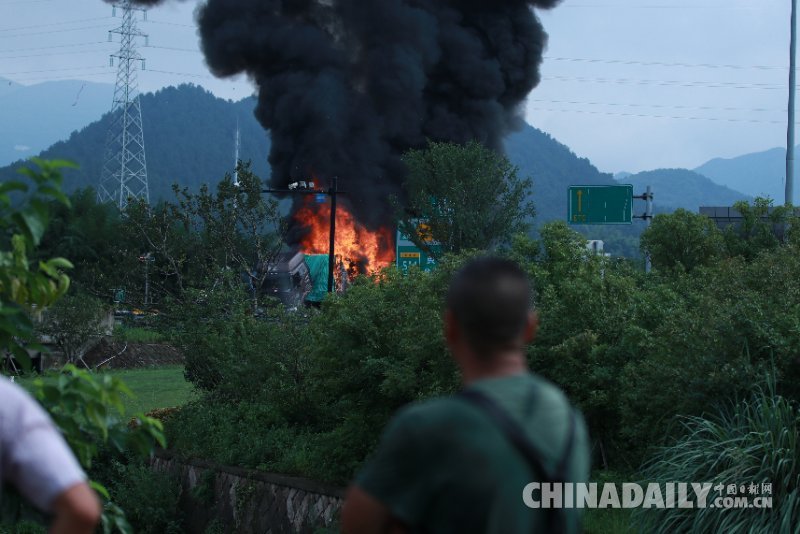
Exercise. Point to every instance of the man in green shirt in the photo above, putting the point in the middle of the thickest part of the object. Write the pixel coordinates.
(459, 464)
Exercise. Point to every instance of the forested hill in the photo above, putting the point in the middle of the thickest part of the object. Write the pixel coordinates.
(755, 174)
(553, 168)
(189, 140)
(189, 137)
(682, 188)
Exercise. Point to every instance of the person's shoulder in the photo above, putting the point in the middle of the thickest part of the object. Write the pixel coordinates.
(17, 406)
(14, 396)
(429, 413)
(548, 392)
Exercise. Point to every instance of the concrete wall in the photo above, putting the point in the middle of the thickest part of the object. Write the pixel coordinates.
(247, 501)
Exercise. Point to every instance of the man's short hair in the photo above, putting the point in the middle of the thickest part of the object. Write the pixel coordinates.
(490, 299)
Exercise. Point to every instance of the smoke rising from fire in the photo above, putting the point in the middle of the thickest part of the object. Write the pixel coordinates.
(347, 86)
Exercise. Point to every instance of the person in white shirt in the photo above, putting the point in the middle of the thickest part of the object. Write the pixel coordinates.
(37, 461)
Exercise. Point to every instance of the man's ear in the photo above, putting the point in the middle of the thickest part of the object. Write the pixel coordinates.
(531, 326)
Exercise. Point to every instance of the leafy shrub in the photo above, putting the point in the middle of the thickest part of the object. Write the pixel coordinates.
(245, 434)
(682, 240)
(311, 395)
(634, 351)
(24, 283)
(752, 441)
(88, 410)
(150, 499)
(22, 527)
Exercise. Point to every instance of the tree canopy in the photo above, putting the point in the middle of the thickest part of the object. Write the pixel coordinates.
(465, 196)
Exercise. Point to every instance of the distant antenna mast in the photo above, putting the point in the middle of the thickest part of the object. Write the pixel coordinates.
(236, 157)
(124, 173)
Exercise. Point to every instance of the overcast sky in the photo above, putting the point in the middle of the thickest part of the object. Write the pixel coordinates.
(630, 84)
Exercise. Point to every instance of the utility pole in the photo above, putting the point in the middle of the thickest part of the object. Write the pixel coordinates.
(124, 173)
(147, 259)
(648, 216)
(236, 157)
(332, 192)
(789, 201)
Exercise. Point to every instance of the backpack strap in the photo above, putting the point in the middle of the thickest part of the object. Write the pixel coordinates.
(516, 436)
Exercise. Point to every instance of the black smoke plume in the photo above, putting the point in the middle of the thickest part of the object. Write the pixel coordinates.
(347, 86)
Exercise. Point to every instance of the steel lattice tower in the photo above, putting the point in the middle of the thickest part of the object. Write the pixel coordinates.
(124, 173)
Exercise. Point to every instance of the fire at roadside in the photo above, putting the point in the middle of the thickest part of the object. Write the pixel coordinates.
(300, 276)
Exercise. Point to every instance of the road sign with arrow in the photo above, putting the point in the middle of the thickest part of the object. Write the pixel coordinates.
(600, 204)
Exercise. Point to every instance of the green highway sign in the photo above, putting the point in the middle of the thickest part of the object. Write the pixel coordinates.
(409, 254)
(600, 204)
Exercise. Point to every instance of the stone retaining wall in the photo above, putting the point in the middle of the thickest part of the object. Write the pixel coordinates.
(247, 501)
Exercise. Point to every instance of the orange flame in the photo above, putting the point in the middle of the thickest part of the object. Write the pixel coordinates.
(357, 249)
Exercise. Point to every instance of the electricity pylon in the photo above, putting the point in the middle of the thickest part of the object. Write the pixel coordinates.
(124, 173)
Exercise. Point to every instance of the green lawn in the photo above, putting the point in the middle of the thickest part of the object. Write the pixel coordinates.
(157, 387)
(153, 387)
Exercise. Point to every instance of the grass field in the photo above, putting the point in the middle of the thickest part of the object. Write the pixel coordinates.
(159, 387)
(156, 387)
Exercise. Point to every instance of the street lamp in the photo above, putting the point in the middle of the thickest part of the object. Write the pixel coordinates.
(147, 259)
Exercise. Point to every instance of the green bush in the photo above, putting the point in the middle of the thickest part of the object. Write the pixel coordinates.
(682, 240)
(88, 410)
(634, 351)
(310, 394)
(22, 527)
(753, 441)
(245, 434)
(150, 499)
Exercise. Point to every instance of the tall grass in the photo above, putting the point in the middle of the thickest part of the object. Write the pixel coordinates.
(751, 441)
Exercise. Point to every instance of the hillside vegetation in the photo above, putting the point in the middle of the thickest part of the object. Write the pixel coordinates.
(681, 188)
(189, 140)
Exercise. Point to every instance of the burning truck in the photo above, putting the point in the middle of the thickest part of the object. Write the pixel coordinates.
(300, 277)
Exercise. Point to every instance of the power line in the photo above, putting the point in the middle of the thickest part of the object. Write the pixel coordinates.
(668, 6)
(24, 2)
(675, 83)
(74, 52)
(79, 76)
(51, 70)
(659, 106)
(188, 75)
(106, 72)
(54, 31)
(665, 64)
(150, 21)
(52, 24)
(175, 49)
(11, 50)
(649, 116)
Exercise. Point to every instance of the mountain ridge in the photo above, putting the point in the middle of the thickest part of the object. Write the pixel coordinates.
(755, 174)
(682, 188)
(189, 140)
